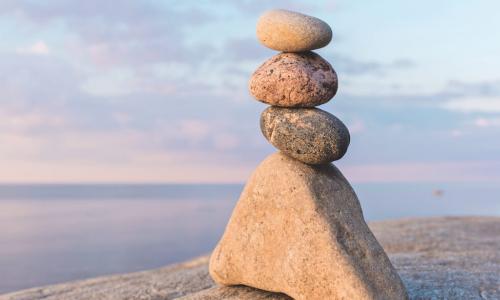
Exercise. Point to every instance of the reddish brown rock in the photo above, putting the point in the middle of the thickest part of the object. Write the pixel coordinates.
(294, 80)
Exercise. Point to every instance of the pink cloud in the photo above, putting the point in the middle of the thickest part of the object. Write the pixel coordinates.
(38, 48)
(487, 122)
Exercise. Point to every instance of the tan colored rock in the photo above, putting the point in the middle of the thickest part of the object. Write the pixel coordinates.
(299, 229)
(294, 80)
(290, 31)
(310, 135)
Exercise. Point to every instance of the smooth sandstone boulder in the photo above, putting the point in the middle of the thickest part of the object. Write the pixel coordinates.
(290, 31)
(299, 230)
(310, 135)
(294, 80)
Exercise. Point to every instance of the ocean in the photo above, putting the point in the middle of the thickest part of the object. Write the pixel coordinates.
(57, 233)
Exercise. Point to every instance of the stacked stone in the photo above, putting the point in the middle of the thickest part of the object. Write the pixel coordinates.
(298, 227)
(294, 82)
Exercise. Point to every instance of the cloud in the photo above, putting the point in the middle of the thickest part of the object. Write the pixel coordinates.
(38, 48)
(474, 105)
(357, 126)
(487, 122)
(347, 65)
(485, 88)
(226, 141)
(123, 155)
(149, 90)
(254, 7)
(456, 133)
(28, 120)
(131, 34)
(53, 76)
(246, 49)
(159, 170)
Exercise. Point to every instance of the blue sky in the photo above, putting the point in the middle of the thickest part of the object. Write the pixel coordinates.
(156, 91)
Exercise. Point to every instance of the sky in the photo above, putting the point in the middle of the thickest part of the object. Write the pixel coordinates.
(156, 91)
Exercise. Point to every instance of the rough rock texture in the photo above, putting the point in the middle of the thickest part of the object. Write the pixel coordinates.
(167, 283)
(289, 31)
(299, 230)
(310, 135)
(294, 80)
(437, 258)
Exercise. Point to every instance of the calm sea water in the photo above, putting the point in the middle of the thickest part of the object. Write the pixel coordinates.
(57, 233)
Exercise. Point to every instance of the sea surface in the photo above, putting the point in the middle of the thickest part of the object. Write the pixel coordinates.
(56, 233)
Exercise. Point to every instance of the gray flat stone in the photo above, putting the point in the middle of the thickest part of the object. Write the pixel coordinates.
(437, 258)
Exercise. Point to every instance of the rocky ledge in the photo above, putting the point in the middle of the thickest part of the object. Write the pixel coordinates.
(437, 258)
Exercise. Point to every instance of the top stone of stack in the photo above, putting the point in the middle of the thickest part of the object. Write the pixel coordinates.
(288, 31)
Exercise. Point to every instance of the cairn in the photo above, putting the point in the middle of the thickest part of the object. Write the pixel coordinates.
(298, 227)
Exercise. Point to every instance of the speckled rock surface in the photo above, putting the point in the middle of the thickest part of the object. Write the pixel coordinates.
(289, 31)
(437, 258)
(299, 230)
(310, 135)
(294, 80)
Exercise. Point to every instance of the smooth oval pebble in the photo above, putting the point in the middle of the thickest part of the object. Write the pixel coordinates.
(294, 80)
(310, 135)
(290, 31)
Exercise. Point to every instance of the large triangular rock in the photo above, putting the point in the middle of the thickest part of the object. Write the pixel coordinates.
(299, 229)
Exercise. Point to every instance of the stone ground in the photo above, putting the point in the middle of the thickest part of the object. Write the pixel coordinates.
(437, 258)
